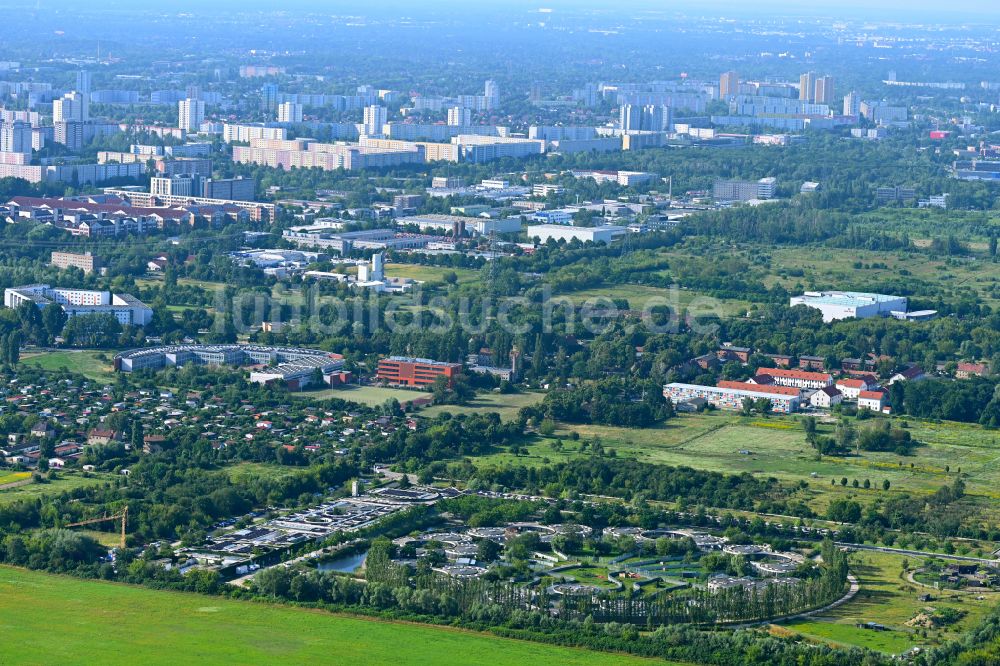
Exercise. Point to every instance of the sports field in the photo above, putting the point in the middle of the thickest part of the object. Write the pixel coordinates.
(47, 619)
(86, 363)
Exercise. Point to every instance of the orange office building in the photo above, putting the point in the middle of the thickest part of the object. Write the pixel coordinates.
(414, 371)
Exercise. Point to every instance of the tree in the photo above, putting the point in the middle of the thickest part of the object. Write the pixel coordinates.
(885, 484)
(93, 330)
(53, 319)
(487, 551)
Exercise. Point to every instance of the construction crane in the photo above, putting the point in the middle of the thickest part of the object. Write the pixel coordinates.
(115, 516)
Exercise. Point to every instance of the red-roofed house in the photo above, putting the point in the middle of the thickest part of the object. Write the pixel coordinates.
(797, 378)
(873, 400)
(757, 388)
(967, 370)
(851, 387)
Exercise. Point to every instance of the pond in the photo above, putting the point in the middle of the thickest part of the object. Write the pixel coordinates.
(344, 563)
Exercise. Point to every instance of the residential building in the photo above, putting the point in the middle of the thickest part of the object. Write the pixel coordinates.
(852, 387)
(852, 104)
(800, 379)
(289, 112)
(812, 362)
(909, 374)
(229, 189)
(86, 262)
(850, 304)
(823, 93)
(873, 400)
(375, 117)
(247, 132)
(826, 397)
(967, 370)
(16, 137)
(191, 114)
(83, 81)
(731, 397)
(491, 94)
(459, 116)
(807, 87)
(73, 106)
(415, 371)
(729, 85)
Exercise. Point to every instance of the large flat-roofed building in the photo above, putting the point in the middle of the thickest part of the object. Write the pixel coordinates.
(743, 190)
(850, 304)
(726, 397)
(459, 223)
(604, 234)
(415, 371)
(86, 262)
(124, 307)
(278, 359)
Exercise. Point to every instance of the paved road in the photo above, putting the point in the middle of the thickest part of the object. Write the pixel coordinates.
(916, 553)
(855, 587)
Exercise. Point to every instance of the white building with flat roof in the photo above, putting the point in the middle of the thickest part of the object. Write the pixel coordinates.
(127, 309)
(604, 234)
(850, 304)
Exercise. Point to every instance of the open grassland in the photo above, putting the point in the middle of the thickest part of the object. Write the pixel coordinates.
(507, 405)
(88, 622)
(66, 481)
(640, 297)
(776, 446)
(86, 363)
(248, 471)
(811, 267)
(888, 598)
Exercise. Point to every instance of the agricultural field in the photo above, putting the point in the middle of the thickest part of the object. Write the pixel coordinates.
(94, 365)
(65, 481)
(887, 597)
(91, 622)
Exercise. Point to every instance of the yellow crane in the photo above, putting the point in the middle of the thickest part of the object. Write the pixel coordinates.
(123, 515)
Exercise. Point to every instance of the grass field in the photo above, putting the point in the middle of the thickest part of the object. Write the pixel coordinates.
(248, 471)
(430, 274)
(88, 622)
(888, 598)
(372, 396)
(86, 363)
(507, 405)
(638, 296)
(66, 481)
(777, 447)
(13, 477)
